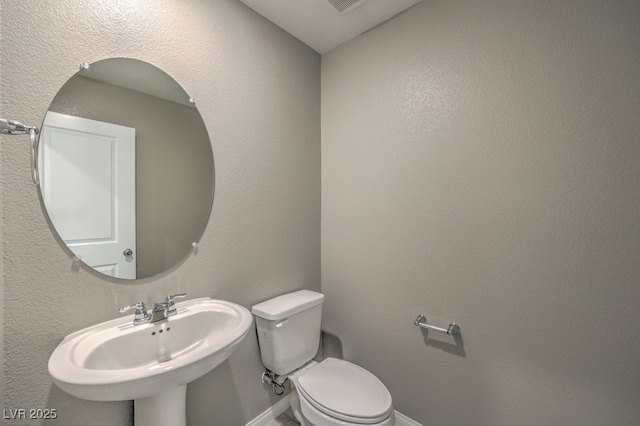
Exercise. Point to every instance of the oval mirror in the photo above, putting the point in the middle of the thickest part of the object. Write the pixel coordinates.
(126, 168)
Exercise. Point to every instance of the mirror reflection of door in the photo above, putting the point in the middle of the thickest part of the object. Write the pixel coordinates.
(88, 182)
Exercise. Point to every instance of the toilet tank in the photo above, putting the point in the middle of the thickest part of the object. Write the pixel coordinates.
(288, 329)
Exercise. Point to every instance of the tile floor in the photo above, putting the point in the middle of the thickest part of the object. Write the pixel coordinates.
(284, 419)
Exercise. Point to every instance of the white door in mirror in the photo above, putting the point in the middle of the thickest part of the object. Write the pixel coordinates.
(88, 182)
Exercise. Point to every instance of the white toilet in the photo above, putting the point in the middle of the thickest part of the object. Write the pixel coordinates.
(332, 392)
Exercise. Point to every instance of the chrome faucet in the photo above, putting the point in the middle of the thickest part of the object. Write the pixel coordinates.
(159, 311)
(141, 316)
(166, 309)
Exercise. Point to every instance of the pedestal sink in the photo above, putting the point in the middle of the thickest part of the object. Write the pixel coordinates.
(151, 363)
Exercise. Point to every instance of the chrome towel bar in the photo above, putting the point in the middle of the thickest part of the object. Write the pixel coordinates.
(421, 321)
(13, 127)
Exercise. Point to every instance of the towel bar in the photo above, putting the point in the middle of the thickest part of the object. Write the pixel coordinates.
(453, 329)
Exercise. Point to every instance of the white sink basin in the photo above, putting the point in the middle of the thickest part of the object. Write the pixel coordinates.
(116, 361)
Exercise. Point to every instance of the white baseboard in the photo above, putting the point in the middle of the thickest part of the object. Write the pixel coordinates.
(281, 406)
(402, 420)
(271, 413)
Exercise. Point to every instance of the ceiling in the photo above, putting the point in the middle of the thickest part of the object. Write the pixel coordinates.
(325, 24)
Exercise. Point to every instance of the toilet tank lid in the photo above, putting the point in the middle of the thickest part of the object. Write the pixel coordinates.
(286, 305)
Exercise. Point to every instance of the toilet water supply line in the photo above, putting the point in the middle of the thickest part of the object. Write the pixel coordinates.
(13, 127)
(277, 382)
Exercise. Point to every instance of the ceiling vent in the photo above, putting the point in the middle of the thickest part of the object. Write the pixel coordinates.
(345, 6)
(325, 24)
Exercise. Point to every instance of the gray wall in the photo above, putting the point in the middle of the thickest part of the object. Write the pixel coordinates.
(3, 139)
(481, 164)
(258, 90)
(173, 171)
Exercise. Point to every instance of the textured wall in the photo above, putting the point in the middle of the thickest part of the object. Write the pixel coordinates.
(2, 142)
(258, 90)
(2, 365)
(481, 164)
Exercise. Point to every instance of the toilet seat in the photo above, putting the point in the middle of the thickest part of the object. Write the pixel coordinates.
(345, 391)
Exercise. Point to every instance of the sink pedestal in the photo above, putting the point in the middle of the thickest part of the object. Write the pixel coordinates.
(165, 409)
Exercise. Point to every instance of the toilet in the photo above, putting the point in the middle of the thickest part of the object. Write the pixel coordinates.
(327, 393)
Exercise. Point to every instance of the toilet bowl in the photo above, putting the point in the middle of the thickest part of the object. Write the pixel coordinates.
(329, 393)
(337, 392)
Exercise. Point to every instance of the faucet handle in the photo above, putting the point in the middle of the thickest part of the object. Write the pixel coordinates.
(169, 298)
(141, 316)
(171, 307)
